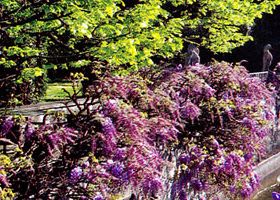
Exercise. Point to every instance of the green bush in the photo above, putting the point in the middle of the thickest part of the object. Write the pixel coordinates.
(25, 87)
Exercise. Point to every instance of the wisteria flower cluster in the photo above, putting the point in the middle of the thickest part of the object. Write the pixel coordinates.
(193, 132)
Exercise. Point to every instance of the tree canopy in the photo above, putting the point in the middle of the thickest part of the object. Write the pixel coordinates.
(46, 32)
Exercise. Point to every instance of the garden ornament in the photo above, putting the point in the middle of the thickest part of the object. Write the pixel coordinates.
(267, 57)
(193, 57)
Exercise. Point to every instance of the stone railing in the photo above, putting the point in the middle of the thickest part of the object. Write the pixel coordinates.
(261, 75)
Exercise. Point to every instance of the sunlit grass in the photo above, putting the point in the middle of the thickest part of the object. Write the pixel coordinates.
(55, 91)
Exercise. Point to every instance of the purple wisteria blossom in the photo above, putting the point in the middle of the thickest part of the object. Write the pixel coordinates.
(86, 164)
(6, 126)
(179, 67)
(184, 159)
(152, 186)
(29, 131)
(248, 156)
(3, 181)
(108, 128)
(181, 132)
(183, 195)
(246, 191)
(254, 181)
(117, 170)
(197, 184)
(76, 174)
(249, 123)
(190, 111)
(110, 107)
(109, 136)
(120, 154)
(275, 196)
(98, 197)
(209, 91)
(62, 136)
(262, 132)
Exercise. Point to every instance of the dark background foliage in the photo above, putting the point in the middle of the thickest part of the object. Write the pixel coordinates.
(266, 30)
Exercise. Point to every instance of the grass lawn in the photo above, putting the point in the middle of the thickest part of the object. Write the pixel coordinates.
(55, 91)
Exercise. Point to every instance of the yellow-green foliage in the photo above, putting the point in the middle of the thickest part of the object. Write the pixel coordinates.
(9, 165)
(6, 194)
(124, 34)
(5, 161)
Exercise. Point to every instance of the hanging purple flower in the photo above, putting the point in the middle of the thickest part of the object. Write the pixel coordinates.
(108, 128)
(59, 137)
(209, 91)
(117, 170)
(76, 174)
(110, 107)
(109, 147)
(133, 93)
(197, 184)
(262, 132)
(225, 96)
(232, 189)
(229, 112)
(190, 110)
(109, 136)
(248, 156)
(7, 126)
(249, 123)
(86, 164)
(98, 197)
(183, 195)
(93, 144)
(54, 139)
(3, 181)
(179, 67)
(269, 115)
(155, 185)
(215, 143)
(254, 181)
(227, 167)
(184, 159)
(275, 196)
(152, 186)
(246, 191)
(29, 131)
(120, 154)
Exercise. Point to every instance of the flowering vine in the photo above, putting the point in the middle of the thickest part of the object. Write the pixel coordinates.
(179, 134)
